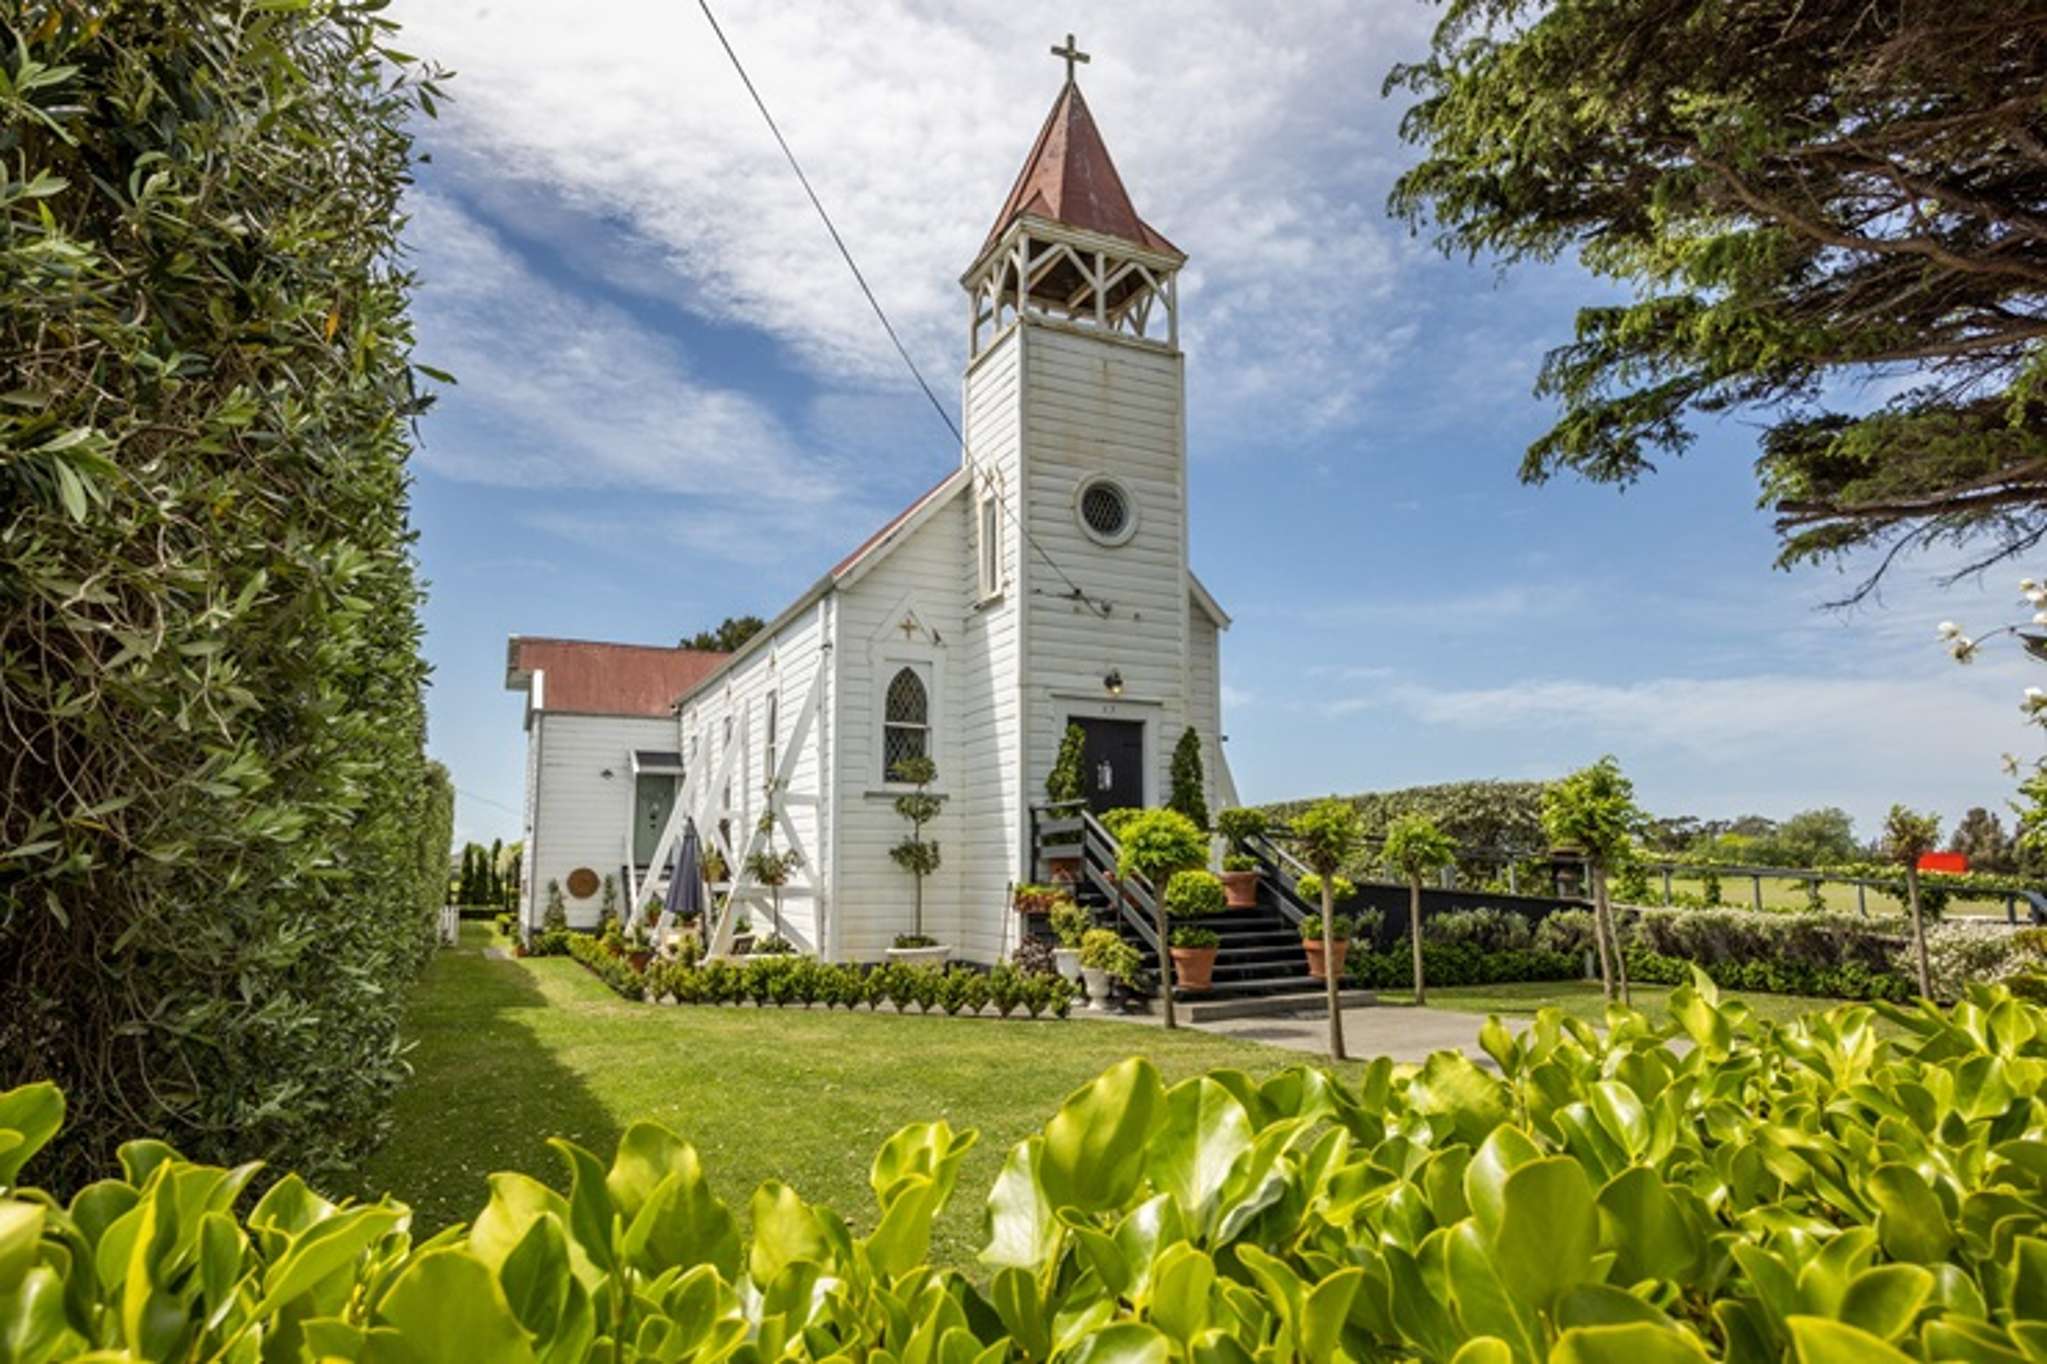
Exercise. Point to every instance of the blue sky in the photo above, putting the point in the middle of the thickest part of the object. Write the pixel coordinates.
(673, 405)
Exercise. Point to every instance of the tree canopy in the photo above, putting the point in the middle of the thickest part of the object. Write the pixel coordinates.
(730, 634)
(1796, 195)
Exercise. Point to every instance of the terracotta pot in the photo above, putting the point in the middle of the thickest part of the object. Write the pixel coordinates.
(1193, 967)
(1240, 889)
(1317, 949)
(640, 960)
(518, 949)
(1063, 870)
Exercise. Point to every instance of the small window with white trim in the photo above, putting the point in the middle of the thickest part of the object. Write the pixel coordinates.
(906, 720)
(988, 543)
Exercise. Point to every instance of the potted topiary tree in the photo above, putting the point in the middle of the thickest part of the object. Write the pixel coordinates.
(1104, 957)
(1909, 835)
(1194, 895)
(1066, 784)
(1158, 845)
(1594, 810)
(1414, 848)
(917, 855)
(771, 868)
(1070, 924)
(1240, 868)
(1326, 836)
(1326, 948)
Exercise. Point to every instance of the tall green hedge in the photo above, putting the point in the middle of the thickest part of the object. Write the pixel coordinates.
(217, 819)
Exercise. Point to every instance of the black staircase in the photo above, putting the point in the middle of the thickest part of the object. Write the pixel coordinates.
(1260, 956)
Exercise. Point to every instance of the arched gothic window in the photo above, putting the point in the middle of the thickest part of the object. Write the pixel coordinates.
(906, 721)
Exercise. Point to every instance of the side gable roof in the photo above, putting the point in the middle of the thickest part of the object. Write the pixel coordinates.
(846, 571)
(592, 677)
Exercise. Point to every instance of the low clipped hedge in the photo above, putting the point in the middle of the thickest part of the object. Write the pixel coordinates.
(1816, 1191)
(786, 980)
(1833, 956)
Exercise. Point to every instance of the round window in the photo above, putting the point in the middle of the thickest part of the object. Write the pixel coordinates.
(1105, 511)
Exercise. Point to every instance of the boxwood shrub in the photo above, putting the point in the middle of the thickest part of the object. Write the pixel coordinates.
(1818, 1191)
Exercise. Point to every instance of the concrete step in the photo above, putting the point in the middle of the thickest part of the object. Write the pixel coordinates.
(1210, 1008)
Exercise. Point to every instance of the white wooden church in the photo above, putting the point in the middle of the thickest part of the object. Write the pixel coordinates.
(1044, 581)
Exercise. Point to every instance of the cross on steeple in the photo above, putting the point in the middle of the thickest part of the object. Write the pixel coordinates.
(1072, 53)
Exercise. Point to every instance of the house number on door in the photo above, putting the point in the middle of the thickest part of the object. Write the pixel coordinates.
(1105, 776)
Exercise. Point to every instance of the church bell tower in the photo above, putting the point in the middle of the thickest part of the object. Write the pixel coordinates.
(1075, 425)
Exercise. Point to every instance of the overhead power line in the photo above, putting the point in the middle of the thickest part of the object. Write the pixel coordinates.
(1101, 608)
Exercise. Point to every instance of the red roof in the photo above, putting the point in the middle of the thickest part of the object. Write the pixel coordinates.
(595, 678)
(1070, 179)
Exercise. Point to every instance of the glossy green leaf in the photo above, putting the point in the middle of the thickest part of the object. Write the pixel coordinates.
(1182, 1282)
(1636, 1344)
(447, 1305)
(1094, 1148)
(1819, 1340)
(1646, 1228)
(784, 1229)
(1021, 1227)
(1884, 1301)
(1125, 1343)
(1205, 1130)
(34, 1112)
(1483, 1350)
(1910, 1222)
(1549, 1229)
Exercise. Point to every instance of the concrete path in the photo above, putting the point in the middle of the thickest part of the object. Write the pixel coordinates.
(1399, 1031)
(1403, 1033)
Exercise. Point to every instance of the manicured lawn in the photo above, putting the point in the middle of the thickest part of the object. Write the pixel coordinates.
(511, 1052)
(1583, 999)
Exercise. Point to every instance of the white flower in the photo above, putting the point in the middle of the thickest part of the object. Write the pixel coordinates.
(1948, 629)
(2038, 596)
(2027, 585)
(1963, 648)
(2035, 698)
(2040, 618)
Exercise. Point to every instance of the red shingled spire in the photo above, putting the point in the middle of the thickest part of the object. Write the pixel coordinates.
(1070, 179)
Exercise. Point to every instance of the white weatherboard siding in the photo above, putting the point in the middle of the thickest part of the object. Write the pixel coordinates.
(1095, 404)
(1204, 705)
(581, 818)
(987, 782)
(784, 666)
(919, 579)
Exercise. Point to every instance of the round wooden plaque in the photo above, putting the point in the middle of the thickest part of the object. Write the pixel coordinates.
(583, 883)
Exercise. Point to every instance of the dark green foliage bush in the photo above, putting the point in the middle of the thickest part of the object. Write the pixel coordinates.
(221, 845)
(1459, 963)
(1188, 782)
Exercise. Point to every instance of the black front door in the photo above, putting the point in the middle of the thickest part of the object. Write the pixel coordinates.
(1114, 768)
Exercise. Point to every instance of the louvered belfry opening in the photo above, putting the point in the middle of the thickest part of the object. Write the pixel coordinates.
(1069, 245)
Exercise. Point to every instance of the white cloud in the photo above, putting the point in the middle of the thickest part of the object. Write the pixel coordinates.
(1246, 134)
(555, 390)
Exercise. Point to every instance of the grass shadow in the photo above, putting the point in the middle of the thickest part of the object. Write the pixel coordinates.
(486, 1092)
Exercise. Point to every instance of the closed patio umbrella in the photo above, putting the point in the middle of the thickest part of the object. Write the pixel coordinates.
(686, 878)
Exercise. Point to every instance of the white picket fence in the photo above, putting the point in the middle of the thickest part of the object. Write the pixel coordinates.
(451, 925)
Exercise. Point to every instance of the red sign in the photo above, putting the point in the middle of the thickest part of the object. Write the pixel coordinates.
(1943, 861)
